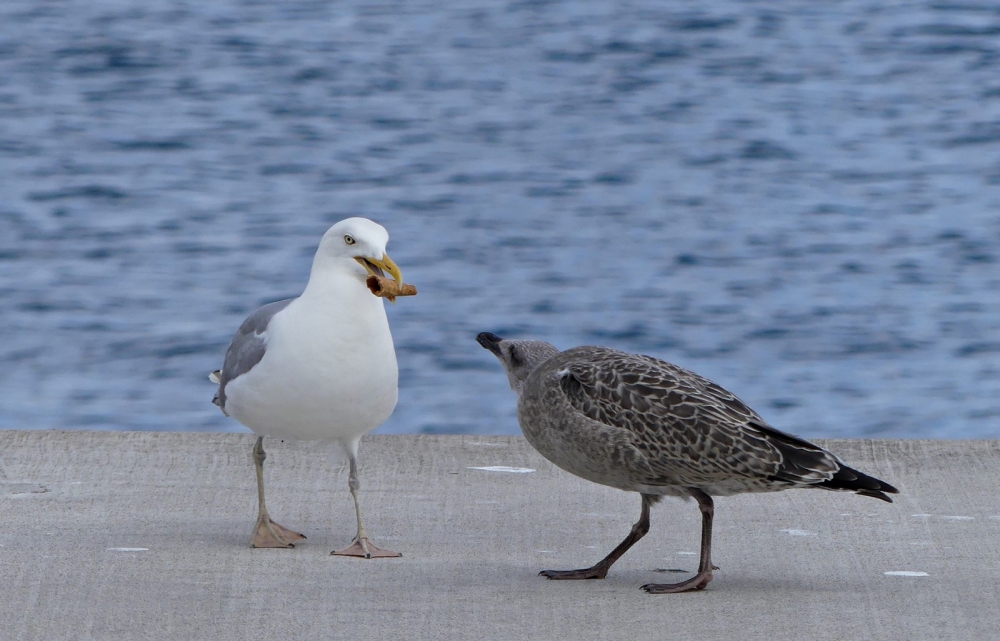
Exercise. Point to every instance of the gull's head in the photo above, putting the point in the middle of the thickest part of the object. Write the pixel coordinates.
(361, 241)
(519, 358)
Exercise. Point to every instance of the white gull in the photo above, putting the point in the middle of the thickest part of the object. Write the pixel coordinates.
(320, 367)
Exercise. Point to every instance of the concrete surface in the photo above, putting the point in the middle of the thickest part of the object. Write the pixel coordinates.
(128, 535)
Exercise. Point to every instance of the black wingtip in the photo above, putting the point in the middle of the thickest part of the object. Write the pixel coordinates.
(848, 478)
(876, 495)
(489, 341)
(883, 489)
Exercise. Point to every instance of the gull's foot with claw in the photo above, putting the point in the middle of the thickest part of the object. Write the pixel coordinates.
(268, 534)
(365, 549)
(699, 582)
(572, 575)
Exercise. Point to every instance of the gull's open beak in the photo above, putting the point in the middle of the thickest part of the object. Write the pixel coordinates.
(378, 267)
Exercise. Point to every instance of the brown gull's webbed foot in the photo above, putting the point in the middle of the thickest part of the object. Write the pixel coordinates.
(365, 549)
(600, 569)
(596, 572)
(268, 534)
(699, 582)
(705, 567)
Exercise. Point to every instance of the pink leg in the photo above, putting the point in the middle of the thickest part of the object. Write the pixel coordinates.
(267, 533)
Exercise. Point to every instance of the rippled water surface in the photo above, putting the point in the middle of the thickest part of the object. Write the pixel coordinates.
(800, 200)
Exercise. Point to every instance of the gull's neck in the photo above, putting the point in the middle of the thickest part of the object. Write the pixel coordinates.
(339, 279)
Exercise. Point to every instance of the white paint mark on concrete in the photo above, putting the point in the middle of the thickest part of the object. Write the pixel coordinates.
(131, 549)
(921, 516)
(799, 532)
(688, 553)
(905, 573)
(77, 483)
(544, 551)
(503, 468)
(959, 518)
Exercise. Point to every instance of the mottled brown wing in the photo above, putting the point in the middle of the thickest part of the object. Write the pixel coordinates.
(682, 421)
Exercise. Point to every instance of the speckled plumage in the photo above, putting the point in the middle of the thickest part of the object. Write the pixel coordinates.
(637, 423)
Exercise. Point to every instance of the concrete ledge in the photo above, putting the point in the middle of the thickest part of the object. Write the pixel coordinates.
(138, 535)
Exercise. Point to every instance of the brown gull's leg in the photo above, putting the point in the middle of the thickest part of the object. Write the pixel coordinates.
(600, 570)
(267, 533)
(705, 567)
(361, 546)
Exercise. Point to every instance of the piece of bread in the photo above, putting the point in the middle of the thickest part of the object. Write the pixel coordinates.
(388, 288)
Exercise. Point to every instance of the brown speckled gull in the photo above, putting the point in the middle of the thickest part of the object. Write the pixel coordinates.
(641, 424)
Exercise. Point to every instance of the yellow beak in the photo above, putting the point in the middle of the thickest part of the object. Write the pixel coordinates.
(385, 264)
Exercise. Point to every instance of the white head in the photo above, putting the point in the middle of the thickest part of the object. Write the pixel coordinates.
(358, 245)
(519, 358)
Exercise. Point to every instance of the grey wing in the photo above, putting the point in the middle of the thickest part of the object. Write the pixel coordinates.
(684, 424)
(247, 348)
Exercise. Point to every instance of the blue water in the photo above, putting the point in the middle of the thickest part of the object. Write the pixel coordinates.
(800, 200)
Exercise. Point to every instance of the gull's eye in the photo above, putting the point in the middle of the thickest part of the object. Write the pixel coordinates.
(349, 239)
(515, 356)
